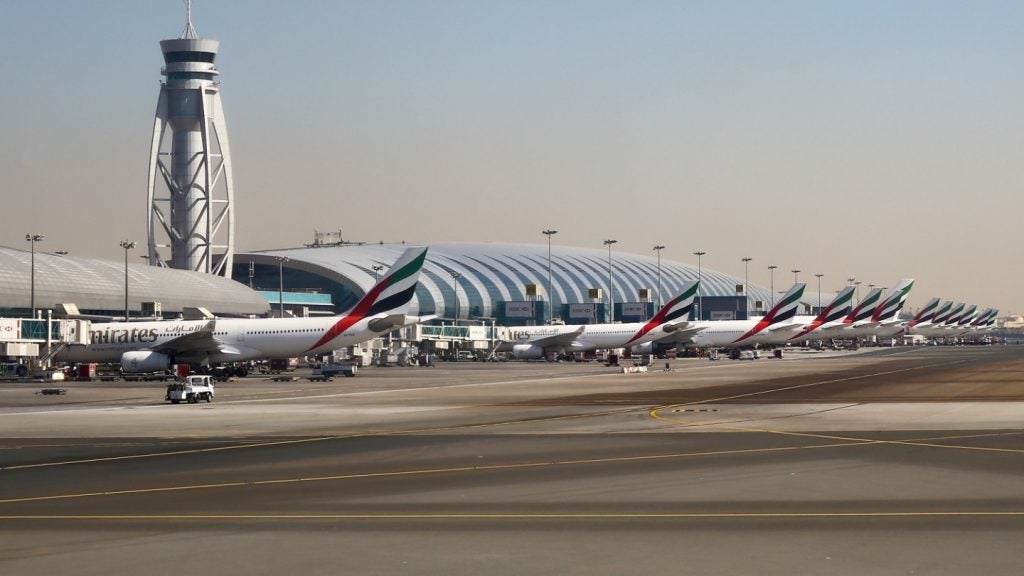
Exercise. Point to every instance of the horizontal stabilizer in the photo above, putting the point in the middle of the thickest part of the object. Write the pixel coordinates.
(387, 323)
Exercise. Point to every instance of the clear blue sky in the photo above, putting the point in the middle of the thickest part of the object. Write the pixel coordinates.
(868, 139)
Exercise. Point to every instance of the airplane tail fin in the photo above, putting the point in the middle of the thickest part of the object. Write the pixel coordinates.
(955, 314)
(676, 308)
(992, 318)
(926, 313)
(942, 313)
(786, 307)
(865, 308)
(838, 307)
(396, 289)
(982, 319)
(836, 310)
(894, 300)
(969, 315)
(391, 293)
(782, 311)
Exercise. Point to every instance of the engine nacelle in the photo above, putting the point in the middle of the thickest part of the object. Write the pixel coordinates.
(527, 352)
(145, 361)
(645, 348)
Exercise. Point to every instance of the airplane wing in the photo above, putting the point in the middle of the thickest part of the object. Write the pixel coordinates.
(387, 323)
(558, 340)
(683, 335)
(201, 340)
(796, 327)
(671, 327)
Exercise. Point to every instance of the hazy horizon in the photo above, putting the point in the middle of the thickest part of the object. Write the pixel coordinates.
(869, 140)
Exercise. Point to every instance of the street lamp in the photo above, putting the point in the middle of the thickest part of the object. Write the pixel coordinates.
(33, 238)
(772, 268)
(376, 272)
(700, 292)
(856, 285)
(658, 249)
(819, 291)
(746, 271)
(551, 298)
(611, 300)
(795, 278)
(280, 285)
(127, 246)
(455, 291)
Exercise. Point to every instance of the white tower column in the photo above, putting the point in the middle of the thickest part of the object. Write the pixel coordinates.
(191, 190)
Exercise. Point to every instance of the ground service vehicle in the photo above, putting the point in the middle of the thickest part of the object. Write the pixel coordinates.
(192, 389)
(331, 370)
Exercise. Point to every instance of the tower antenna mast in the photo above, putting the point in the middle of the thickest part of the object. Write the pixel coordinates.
(190, 30)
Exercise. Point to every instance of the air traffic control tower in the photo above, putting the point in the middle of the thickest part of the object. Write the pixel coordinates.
(191, 191)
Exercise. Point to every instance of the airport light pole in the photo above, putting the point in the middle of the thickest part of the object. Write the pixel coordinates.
(376, 272)
(771, 268)
(700, 291)
(795, 278)
(818, 276)
(455, 291)
(856, 285)
(551, 299)
(280, 285)
(658, 249)
(33, 238)
(127, 246)
(611, 300)
(746, 275)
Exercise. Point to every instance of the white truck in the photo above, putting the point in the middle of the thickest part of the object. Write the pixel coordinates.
(192, 389)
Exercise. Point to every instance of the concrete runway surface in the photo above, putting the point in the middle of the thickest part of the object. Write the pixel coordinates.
(901, 461)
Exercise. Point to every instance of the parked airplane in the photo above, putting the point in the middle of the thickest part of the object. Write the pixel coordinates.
(531, 342)
(770, 328)
(155, 346)
(832, 314)
(860, 313)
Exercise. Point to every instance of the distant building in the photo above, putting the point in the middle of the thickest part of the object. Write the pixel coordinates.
(97, 287)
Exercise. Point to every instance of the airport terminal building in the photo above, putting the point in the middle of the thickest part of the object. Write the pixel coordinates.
(505, 283)
(97, 287)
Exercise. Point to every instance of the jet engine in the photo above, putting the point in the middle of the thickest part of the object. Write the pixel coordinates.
(645, 348)
(145, 361)
(527, 352)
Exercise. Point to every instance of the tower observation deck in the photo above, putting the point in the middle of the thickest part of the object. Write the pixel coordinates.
(191, 190)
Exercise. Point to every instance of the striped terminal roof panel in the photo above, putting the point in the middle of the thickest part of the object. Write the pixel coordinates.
(486, 274)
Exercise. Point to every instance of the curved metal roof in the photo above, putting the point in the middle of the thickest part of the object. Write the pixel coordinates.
(98, 285)
(492, 273)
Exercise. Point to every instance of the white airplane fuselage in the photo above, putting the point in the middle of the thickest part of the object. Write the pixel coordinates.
(241, 339)
(592, 337)
(719, 333)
